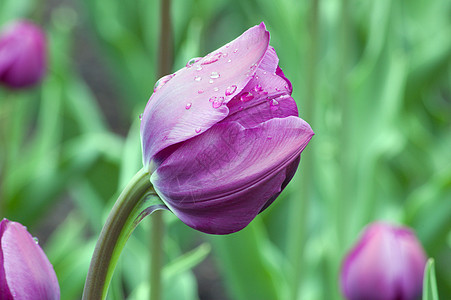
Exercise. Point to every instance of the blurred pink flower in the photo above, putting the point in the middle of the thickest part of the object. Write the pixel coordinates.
(387, 263)
(25, 271)
(222, 137)
(22, 54)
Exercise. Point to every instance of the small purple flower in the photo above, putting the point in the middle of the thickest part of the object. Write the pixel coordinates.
(222, 137)
(22, 54)
(387, 263)
(25, 271)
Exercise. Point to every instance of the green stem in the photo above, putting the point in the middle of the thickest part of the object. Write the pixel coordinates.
(156, 256)
(135, 202)
(300, 208)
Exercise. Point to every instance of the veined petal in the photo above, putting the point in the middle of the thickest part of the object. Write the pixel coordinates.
(265, 97)
(219, 181)
(28, 272)
(192, 101)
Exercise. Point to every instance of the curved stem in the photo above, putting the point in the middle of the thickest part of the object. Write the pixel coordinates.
(134, 203)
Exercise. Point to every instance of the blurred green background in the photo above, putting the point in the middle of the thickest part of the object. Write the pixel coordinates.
(373, 78)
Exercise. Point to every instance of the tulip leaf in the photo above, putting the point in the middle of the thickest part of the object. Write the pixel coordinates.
(247, 269)
(429, 282)
(186, 261)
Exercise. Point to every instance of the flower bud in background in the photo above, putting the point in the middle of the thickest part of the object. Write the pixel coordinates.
(222, 137)
(22, 54)
(25, 271)
(387, 263)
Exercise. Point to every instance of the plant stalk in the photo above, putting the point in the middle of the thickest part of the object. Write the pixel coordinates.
(134, 203)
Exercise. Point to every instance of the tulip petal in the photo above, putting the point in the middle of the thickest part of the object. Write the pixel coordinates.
(219, 181)
(265, 97)
(22, 54)
(4, 290)
(29, 274)
(189, 94)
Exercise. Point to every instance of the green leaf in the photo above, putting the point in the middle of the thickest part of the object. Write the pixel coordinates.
(429, 282)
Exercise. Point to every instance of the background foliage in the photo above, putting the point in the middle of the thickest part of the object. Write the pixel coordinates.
(373, 78)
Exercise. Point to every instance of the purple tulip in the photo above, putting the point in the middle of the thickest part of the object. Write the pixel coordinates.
(22, 54)
(387, 263)
(222, 137)
(25, 271)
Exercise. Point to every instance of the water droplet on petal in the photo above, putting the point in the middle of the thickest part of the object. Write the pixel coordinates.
(212, 99)
(198, 130)
(274, 105)
(229, 61)
(218, 102)
(197, 78)
(264, 73)
(230, 90)
(36, 240)
(277, 89)
(287, 87)
(216, 89)
(199, 67)
(211, 58)
(225, 54)
(200, 91)
(210, 81)
(162, 81)
(214, 75)
(188, 105)
(258, 88)
(192, 61)
(140, 116)
(235, 51)
(246, 97)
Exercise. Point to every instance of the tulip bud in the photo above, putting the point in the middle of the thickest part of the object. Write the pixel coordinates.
(387, 263)
(22, 54)
(25, 271)
(222, 137)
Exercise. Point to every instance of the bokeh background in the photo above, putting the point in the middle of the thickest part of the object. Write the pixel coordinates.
(373, 78)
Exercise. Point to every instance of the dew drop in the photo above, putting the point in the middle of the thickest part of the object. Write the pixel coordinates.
(277, 89)
(287, 87)
(212, 99)
(198, 130)
(197, 78)
(162, 81)
(216, 89)
(258, 88)
(264, 72)
(210, 81)
(214, 75)
(140, 116)
(36, 240)
(225, 54)
(246, 97)
(199, 67)
(274, 105)
(188, 105)
(218, 102)
(211, 58)
(230, 90)
(200, 91)
(235, 51)
(192, 61)
(229, 61)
